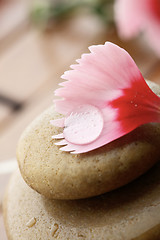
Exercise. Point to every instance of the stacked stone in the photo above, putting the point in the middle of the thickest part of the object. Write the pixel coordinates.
(60, 195)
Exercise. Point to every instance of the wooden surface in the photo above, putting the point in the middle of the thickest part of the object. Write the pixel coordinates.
(32, 61)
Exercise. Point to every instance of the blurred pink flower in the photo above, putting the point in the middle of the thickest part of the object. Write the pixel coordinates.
(134, 16)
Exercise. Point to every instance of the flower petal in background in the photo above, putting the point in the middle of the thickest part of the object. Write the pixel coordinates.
(134, 16)
(105, 97)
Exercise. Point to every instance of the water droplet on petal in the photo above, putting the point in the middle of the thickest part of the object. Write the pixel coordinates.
(83, 125)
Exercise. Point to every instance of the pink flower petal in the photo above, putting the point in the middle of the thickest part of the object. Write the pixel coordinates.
(58, 136)
(106, 83)
(153, 37)
(130, 16)
(58, 122)
(93, 76)
(134, 16)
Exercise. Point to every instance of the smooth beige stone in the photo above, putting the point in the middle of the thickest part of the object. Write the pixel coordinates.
(61, 175)
(129, 213)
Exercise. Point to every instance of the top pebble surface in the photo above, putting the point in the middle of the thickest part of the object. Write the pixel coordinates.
(61, 175)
